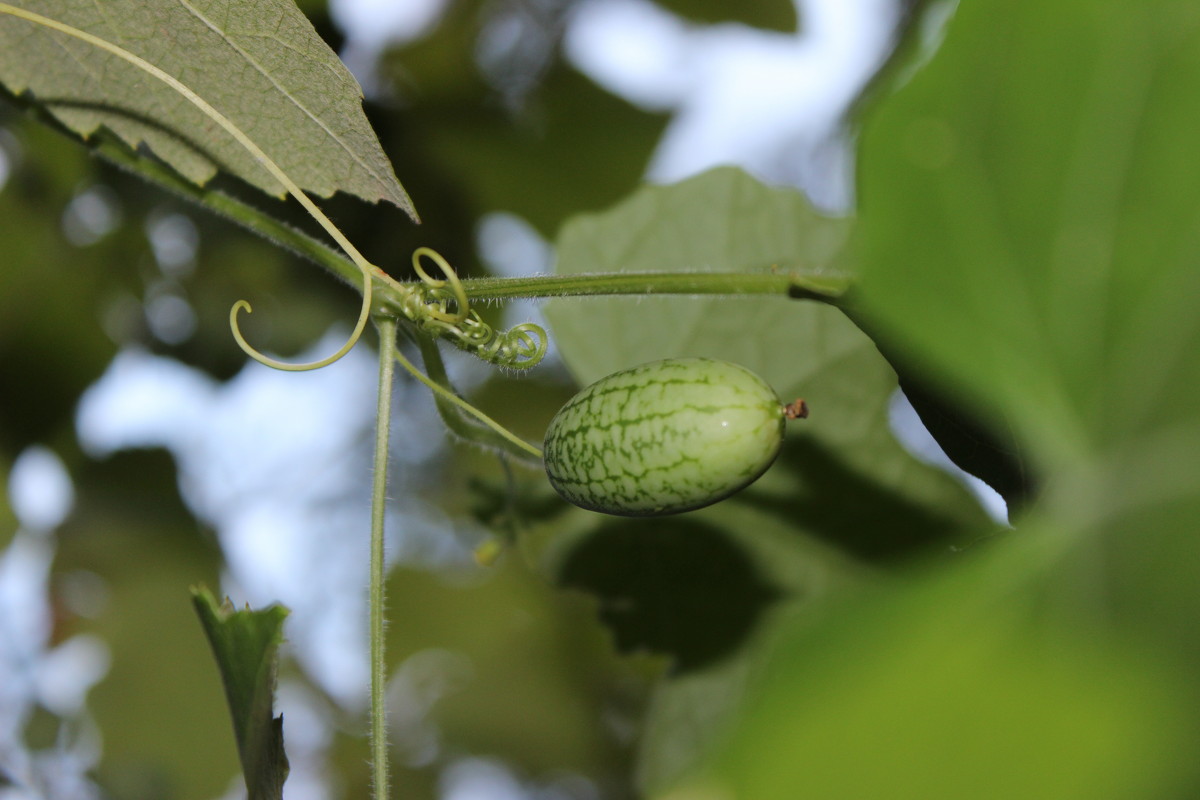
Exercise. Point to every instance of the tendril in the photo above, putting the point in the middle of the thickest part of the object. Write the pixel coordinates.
(249, 350)
(460, 296)
(428, 305)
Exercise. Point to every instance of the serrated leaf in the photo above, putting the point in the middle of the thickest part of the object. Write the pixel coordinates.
(259, 63)
(843, 499)
(245, 644)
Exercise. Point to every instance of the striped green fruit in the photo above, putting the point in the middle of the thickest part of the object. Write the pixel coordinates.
(664, 437)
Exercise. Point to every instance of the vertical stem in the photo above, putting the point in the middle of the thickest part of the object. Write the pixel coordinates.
(383, 416)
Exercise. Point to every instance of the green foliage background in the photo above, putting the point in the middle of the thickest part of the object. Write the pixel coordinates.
(852, 626)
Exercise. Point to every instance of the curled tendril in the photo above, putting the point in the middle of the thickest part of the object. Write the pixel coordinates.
(428, 305)
(458, 293)
(363, 315)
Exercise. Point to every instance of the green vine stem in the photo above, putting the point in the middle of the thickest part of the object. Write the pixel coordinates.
(377, 600)
(792, 283)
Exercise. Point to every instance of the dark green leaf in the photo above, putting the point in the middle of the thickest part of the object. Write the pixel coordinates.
(670, 586)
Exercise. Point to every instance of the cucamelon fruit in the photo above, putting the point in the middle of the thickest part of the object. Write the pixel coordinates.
(665, 437)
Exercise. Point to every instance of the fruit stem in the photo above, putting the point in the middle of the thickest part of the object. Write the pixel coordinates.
(797, 409)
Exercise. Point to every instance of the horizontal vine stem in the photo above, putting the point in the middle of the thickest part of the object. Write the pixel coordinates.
(826, 288)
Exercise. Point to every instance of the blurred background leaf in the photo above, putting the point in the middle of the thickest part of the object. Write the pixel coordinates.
(1040, 172)
(958, 683)
(1057, 257)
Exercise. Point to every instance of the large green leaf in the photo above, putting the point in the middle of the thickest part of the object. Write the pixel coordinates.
(260, 64)
(1028, 221)
(1030, 224)
(843, 500)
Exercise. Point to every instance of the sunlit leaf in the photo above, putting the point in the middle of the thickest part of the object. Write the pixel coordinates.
(260, 64)
(1028, 220)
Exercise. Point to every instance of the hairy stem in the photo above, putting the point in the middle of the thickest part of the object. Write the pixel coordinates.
(383, 417)
(793, 283)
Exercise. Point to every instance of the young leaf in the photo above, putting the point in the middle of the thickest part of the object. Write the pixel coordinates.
(245, 644)
(260, 64)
